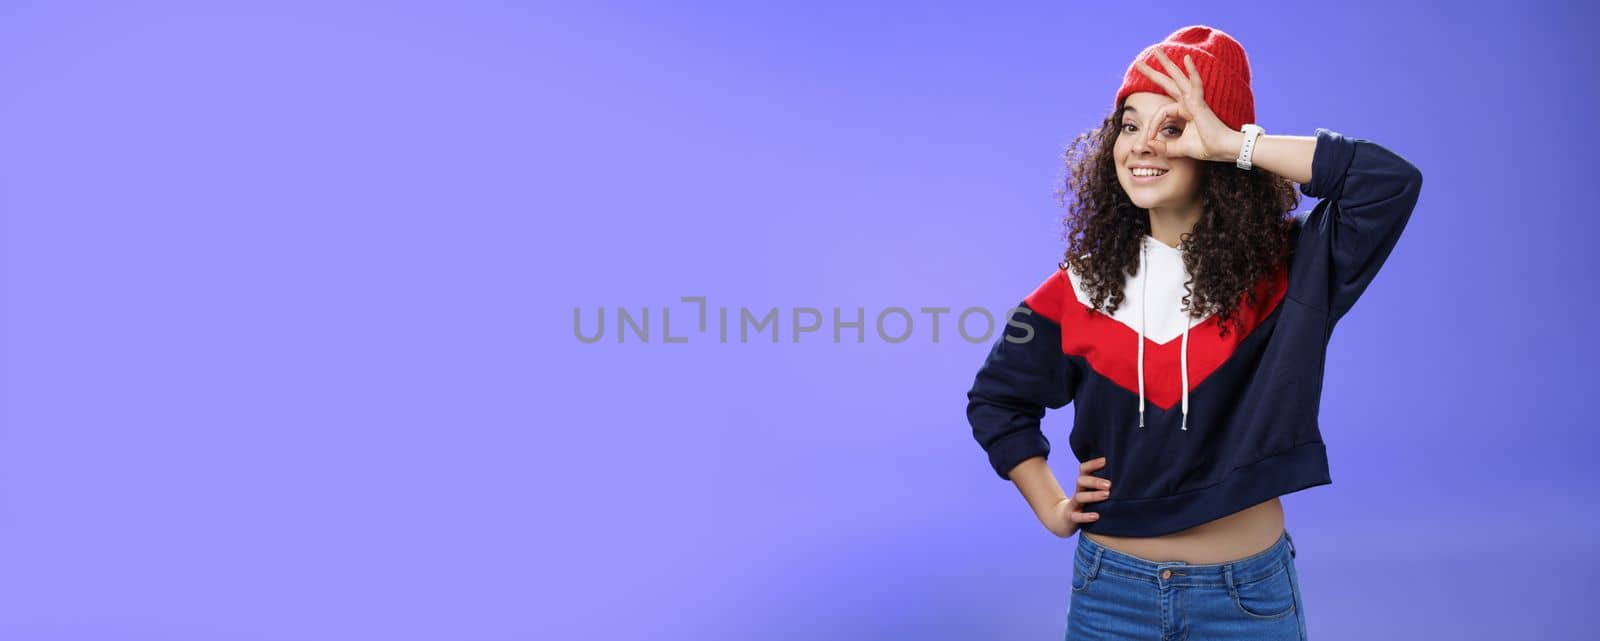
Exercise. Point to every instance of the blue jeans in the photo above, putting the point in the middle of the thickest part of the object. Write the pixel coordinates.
(1120, 596)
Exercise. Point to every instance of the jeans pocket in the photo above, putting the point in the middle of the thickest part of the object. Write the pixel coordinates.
(1080, 580)
(1083, 571)
(1268, 597)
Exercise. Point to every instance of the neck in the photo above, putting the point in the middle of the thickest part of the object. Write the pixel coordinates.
(1169, 224)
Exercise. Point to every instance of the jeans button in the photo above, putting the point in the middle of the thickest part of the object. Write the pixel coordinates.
(1166, 574)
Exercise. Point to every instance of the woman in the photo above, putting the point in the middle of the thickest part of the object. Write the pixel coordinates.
(1188, 325)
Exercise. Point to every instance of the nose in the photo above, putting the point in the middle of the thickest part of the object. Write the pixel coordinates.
(1142, 144)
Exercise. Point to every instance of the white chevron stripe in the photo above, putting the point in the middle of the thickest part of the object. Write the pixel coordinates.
(1165, 293)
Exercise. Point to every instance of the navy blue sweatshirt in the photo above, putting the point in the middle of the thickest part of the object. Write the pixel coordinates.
(1194, 425)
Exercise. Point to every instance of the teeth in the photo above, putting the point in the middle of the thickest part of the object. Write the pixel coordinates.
(1145, 172)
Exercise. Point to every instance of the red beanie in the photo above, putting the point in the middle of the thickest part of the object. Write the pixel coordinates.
(1224, 72)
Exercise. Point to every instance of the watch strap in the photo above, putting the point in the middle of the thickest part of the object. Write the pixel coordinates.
(1248, 147)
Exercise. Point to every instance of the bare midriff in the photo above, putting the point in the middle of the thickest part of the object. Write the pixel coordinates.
(1232, 537)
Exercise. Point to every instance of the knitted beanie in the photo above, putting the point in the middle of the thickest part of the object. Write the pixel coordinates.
(1224, 72)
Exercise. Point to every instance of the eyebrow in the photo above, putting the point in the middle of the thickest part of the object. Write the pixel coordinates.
(1128, 110)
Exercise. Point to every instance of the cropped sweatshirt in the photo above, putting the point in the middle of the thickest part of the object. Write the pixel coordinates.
(1194, 425)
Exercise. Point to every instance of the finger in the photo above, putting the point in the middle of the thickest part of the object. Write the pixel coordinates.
(1092, 465)
(1157, 121)
(1194, 77)
(1177, 76)
(1160, 79)
(1083, 517)
(1093, 482)
(1091, 496)
(1171, 111)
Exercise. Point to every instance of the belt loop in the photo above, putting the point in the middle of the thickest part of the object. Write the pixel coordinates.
(1094, 565)
(1290, 539)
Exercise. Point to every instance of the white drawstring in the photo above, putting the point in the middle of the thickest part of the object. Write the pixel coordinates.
(1184, 362)
(1183, 356)
(1143, 276)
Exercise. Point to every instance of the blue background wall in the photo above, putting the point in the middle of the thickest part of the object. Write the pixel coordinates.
(289, 287)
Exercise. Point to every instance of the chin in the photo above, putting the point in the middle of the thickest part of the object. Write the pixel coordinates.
(1146, 200)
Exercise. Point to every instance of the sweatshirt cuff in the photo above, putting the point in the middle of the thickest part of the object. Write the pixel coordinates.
(1329, 164)
(1015, 448)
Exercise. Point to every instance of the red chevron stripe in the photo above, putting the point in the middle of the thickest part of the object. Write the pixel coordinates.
(1111, 348)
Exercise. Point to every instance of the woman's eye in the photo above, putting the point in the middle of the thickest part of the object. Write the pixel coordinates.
(1128, 127)
(1173, 130)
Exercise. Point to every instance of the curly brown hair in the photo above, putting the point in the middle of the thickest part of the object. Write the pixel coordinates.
(1242, 235)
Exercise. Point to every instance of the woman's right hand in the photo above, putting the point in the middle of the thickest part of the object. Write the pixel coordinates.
(1066, 516)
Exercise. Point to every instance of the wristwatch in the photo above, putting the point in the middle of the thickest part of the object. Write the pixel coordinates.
(1251, 131)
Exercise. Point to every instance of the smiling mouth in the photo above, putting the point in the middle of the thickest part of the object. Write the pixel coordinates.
(1144, 172)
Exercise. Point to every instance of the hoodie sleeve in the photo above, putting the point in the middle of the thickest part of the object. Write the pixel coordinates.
(1367, 193)
(1025, 374)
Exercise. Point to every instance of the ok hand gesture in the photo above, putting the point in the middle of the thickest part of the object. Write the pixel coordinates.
(1204, 137)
